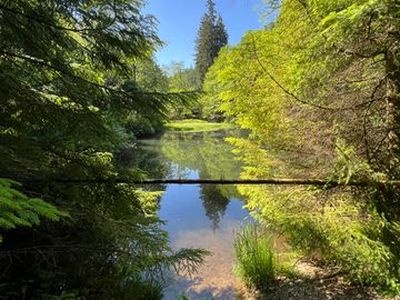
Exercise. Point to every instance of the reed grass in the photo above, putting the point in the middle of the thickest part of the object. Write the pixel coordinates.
(256, 262)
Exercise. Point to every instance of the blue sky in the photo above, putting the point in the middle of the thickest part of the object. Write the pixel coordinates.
(179, 22)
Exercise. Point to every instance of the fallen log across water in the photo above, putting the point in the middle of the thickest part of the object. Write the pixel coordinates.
(267, 181)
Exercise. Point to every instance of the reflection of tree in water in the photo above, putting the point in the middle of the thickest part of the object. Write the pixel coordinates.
(210, 155)
(214, 203)
(206, 152)
(181, 154)
(144, 158)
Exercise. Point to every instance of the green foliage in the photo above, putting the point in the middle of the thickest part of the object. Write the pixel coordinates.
(194, 125)
(150, 77)
(141, 126)
(256, 261)
(17, 209)
(321, 100)
(184, 80)
(147, 77)
(236, 84)
(212, 36)
(337, 229)
(75, 76)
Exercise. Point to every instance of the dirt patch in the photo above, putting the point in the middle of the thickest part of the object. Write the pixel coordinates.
(317, 282)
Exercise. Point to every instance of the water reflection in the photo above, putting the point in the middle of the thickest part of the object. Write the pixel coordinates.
(196, 155)
(183, 209)
(214, 203)
(206, 152)
(199, 216)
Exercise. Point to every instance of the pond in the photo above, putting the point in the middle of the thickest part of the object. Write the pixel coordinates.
(199, 216)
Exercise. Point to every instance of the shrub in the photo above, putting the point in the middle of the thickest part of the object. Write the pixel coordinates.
(337, 227)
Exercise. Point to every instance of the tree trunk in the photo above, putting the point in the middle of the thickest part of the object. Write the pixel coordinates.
(392, 114)
(388, 197)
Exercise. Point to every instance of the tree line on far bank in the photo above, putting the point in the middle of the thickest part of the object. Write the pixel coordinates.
(178, 78)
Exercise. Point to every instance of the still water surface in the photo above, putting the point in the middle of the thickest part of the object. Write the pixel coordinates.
(199, 216)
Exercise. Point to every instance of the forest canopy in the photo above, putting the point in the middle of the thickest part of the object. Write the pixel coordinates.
(317, 89)
(73, 86)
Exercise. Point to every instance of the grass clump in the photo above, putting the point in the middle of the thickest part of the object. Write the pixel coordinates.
(195, 125)
(256, 262)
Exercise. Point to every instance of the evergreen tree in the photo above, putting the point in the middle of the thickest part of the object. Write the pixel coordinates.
(65, 67)
(212, 36)
(221, 34)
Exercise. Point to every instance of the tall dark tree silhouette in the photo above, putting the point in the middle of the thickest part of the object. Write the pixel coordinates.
(214, 203)
(212, 36)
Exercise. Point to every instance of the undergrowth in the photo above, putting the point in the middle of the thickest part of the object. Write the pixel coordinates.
(257, 260)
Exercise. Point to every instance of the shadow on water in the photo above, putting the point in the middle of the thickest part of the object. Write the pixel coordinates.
(199, 216)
